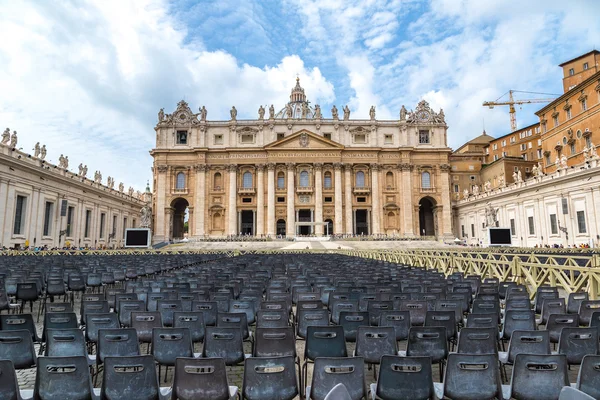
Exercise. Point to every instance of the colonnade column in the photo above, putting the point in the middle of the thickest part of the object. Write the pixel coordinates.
(232, 208)
(200, 194)
(447, 207)
(318, 198)
(291, 217)
(271, 199)
(348, 195)
(375, 204)
(160, 214)
(407, 199)
(260, 200)
(338, 226)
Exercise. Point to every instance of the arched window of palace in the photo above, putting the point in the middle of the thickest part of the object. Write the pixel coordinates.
(327, 180)
(247, 180)
(360, 179)
(280, 180)
(425, 180)
(180, 184)
(304, 179)
(389, 180)
(218, 181)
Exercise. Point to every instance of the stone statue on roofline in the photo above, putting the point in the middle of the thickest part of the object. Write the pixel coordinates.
(334, 112)
(403, 113)
(465, 194)
(346, 113)
(233, 113)
(519, 176)
(6, 136)
(84, 171)
(318, 112)
(289, 113)
(476, 190)
(43, 152)
(261, 112)
(13, 140)
(372, 112)
(203, 113)
(534, 170)
(161, 115)
(593, 154)
(80, 167)
(488, 186)
(121, 187)
(130, 191)
(501, 181)
(271, 112)
(36, 150)
(563, 162)
(304, 110)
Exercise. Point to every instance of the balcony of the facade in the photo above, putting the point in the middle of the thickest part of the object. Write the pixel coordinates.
(180, 191)
(361, 189)
(304, 189)
(246, 190)
(429, 189)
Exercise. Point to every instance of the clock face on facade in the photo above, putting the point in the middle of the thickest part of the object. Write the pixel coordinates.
(423, 115)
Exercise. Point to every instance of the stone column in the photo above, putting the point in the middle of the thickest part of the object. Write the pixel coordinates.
(318, 167)
(338, 224)
(291, 217)
(407, 199)
(260, 200)
(232, 208)
(200, 195)
(271, 199)
(160, 222)
(348, 198)
(375, 200)
(446, 202)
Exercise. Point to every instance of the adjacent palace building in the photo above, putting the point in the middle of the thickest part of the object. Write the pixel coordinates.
(301, 172)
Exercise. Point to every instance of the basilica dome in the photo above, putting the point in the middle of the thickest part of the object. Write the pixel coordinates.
(298, 107)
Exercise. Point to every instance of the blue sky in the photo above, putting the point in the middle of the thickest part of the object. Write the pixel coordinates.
(88, 77)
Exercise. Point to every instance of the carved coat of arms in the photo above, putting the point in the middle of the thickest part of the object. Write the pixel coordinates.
(303, 139)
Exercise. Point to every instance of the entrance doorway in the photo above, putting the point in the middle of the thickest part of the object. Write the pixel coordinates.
(180, 216)
(328, 227)
(304, 216)
(362, 222)
(247, 222)
(426, 223)
(280, 227)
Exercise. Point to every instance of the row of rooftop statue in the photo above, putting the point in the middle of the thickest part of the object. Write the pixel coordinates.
(63, 162)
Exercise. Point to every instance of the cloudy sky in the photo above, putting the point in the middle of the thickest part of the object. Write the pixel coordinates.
(88, 77)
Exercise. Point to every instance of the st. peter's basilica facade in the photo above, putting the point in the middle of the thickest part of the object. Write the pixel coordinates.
(299, 172)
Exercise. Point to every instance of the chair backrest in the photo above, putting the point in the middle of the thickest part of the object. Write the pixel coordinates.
(575, 300)
(442, 318)
(272, 318)
(351, 320)
(325, 341)
(482, 320)
(194, 321)
(570, 393)
(400, 320)
(126, 307)
(124, 376)
(65, 343)
(17, 346)
(342, 305)
(209, 308)
(238, 320)
(405, 378)
(59, 378)
(586, 309)
(225, 343)
(167, 308)
(274, 342)
(9, 387)
(143, 322)
(556, 323)
(329, 371)
(576, 343)
(116, 343)
(200, 379)
(61, 320)
(518, 320)
(518, 304)
(544, 293)
(456, 306)
(170, 343)
(18, 322)
(553, 306)
(244, 306)
(152, 300)
(271, 378)
(376, 307)
(481, 306)
(528, 342)
(373, 342)
(58, 307)
(588, 380)
(93, 307)
(95, 322)
(427, 341)
(472, 377)
(308, 318)
(478, 341)
(417, 310)
(537, 376)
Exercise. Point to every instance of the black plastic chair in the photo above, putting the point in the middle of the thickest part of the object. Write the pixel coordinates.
(27, 292)
(399, 320)
(274, 342)
(115, 343)
(126, 307)
(66, 343)
(209, 308)
(17, 346)
(133, 378)
(59, 378)
(308, 318)
(329, 371)
(586, 309)
(339, 306)
(194, 321)
(445, 319)
(575, 343)
(143, 322)
(17, 322)
(95, 322)
(225, 343)
(417, 310)
(575, 300)
(201, 379)
(93, 307)
(551, 306)
(404, 378)
(374, 342)
(166, 309)
(428, 341)
(539, 377)
(272, 318)
(542, 293)
(9, 387)
(375, 308)
(270, 378)
(472, 377)
(525, 342)
(169, 344)
(588, 380)
(351, 320)
(478, 341)
(517, 320)
(557, 322)
(323, 341)
(482, 320)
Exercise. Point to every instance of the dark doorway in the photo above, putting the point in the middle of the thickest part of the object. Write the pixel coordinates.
(426, 223)
(329, 227)
(180, 209)
(304, 216)
(247, 222)
(280, 227)
(362, 223)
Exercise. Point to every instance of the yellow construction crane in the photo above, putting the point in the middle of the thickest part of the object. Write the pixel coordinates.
(511, 103)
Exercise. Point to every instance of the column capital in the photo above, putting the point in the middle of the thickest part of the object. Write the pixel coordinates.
(200, 167)
(290, 166)
(347, 167)
(260, 167)
(375, 167)
(232, 167)
(338, 166)
(162, 168)
(271, 166)
(405, 167)
(445, 167)
(318, 166)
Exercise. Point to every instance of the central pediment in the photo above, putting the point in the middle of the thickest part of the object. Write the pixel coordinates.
(304, 140)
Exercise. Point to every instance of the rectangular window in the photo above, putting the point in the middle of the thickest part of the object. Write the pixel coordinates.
(523, 146)
(182, 137)
(133, 223)
(495, 157)
(553, 224)
(571, 72)
(124, 226)
(48, 218)
(423, 137)
(531, 225)
(247, 138)
(218, 139)
(462, 230)
(281, 199)
(88, 221)
(583, 105)
(361, 199)
(472, 230)
(102, 222)
(581, 222)
(114, 226)
(328, 199)
(246, 200)
(544, 127)
(456, 188)
(555, 120)
(70, 214)
(539, 153)
(513, 229)
(585, 66)
(504, 154)
(572, 148)
(525, 156)
(20, 208)
(495, 146)
(360, 138)
(327, 136)
(388, 139)
(568, 113)
(280, 136)
(503, 143)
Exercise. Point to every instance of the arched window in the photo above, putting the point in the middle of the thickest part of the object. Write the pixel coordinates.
(425, 180)
(360, 179)
(389, 180)
(218, 181)
(180, 184)
(280, 180)
(327, 180)
(304, 179)
(247, 180)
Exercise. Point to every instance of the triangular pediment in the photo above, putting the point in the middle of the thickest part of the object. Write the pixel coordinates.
(304, 140)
